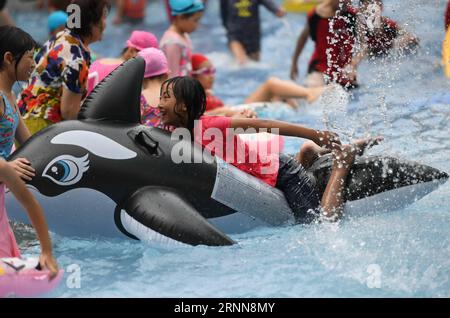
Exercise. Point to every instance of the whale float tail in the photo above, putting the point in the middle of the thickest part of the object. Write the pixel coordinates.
(390, 182)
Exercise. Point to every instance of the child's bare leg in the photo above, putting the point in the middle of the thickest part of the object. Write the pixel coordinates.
(284, 89)
(261, 94)
(332, 203)
(315, 79)
(238, 50)
(309, 153)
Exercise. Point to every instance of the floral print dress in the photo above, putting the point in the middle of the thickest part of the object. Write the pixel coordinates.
(63, 62)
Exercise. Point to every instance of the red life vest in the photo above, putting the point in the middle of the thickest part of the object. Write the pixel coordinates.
(213, 102)
(447, 16)
(335, 38)
(135, 9)
(380, 43)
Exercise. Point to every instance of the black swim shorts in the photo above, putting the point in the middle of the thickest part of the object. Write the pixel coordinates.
(249, 40)
(299, 189)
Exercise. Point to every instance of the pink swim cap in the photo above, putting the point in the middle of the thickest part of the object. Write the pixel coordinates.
(141, 40)
(155, 62)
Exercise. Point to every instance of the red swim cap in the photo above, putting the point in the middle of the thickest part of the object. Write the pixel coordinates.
(197, 60)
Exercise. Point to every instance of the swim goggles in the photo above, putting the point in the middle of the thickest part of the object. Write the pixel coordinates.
(205, 71)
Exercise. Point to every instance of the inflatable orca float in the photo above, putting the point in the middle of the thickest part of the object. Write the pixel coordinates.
(105, 174)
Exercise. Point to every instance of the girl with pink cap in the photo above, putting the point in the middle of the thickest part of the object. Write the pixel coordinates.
(138, 41)
(156, 72)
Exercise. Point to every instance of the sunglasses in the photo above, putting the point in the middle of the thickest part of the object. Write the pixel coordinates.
(205, 71)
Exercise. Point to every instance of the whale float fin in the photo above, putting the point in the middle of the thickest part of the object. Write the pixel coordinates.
(163, 211)
(118, 96)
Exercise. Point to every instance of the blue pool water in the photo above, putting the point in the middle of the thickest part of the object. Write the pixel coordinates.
(404, 253)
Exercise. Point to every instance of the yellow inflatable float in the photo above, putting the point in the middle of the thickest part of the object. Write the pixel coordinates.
(446, 53)
(299, 6)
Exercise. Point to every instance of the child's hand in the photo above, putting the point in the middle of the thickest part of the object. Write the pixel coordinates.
(294, 72)
(328, 139)
(248, 113)
(23, 168)
(281, 13)
(245, 113)
(47, 261)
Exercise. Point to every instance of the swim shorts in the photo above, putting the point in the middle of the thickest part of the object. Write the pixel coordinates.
(250, 41)
(299, 189)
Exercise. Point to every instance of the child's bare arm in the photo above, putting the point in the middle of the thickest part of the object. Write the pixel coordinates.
(120, 7)
(322, 138)
(174, 56)
(34, 210)
(271, 6)
(302, 39)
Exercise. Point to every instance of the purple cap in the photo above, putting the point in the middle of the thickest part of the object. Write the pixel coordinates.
(155, 62)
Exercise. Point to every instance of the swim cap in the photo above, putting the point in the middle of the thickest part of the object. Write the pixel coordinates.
(185, 6)
(197, 60)
(56, 19)
(142, 40)
(155, 62)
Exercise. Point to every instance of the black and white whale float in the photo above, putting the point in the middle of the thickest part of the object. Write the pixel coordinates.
(105, 174)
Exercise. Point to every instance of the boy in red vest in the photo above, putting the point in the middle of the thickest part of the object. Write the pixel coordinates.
(331, 25)
(130, 11)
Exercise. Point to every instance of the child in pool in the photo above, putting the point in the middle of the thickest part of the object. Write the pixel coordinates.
(16, 64)
(331, 25)
(378, 35)
(272, 89)
(156, 73)
(182, 104)
(175, 42)
(242, 23)
(132, 11)
(5, 17)
(101, 68)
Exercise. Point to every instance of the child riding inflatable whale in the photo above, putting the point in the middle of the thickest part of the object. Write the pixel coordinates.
(106, 174)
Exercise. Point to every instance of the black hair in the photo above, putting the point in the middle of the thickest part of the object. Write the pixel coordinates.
(188, 15)
(91, 14)
(190, 92)
(16, 41)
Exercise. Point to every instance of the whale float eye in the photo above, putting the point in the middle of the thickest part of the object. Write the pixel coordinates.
(66, 170)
